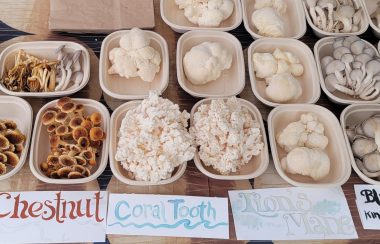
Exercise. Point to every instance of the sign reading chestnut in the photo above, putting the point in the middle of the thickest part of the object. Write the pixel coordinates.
(47, 217)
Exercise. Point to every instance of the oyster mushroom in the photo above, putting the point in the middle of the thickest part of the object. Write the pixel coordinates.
(363, 146)
(371, 128)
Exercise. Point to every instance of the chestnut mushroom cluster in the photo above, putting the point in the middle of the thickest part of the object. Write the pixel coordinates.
(11, 145)
(353, 68)
(365, 144)
(75, 140)
(337, 16)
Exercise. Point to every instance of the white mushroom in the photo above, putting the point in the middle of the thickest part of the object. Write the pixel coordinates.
(371, 128)
(336, 67)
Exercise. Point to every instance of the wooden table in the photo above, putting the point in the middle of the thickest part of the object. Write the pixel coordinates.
(204, 186)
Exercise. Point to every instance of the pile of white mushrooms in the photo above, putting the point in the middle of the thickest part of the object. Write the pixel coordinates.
(365, 144)
(353, 68)
(338, 16)
(69, 69)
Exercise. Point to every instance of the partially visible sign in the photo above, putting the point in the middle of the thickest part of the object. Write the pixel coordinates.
(368, 203)
(167, 215)
(49, 217)
(293, 213)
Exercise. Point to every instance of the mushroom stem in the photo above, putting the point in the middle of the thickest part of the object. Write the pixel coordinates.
(322, 16)
(344, 89)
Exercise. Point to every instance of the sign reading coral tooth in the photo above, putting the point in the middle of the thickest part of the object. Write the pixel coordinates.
(156, 215)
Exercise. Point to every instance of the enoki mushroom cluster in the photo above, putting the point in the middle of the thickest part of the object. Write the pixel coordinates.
(75, 140)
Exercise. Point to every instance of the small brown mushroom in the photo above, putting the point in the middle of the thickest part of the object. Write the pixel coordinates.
(44, 166)
(11, 125)
(75, 175)
(55, 141)
(83, 142)
(81, 160)
(61, 118)
(96, 118)
(87, 124)
(66, 160)
(96, 134)
(19, 148)
(12, 158)
(15, 136)
(79, 132)
(51, 128)
(3, 158)
(79, 108)
(52, 160)
(4, 143)
(48, 117)
(68, 108)
(64, 172)
(62, 101)
(62, 130)
(75, 122)
(3, 169)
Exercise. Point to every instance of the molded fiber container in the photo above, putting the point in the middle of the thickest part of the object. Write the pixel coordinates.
(175, 18)
(309, 80)
(340, 168)
(41, 147)
(374, 27)
(232, 80)
(118, 170)
(255, 167)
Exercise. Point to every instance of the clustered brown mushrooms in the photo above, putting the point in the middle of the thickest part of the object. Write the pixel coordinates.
(33, 74)
(365, 144)
(335, 15)
(75, 140)
(11, 145)
(353, 68)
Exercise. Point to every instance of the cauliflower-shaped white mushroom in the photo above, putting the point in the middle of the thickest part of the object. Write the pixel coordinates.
(283, 87)
(227, 135)
(264, 64)
(279, 5)
(205, 62)
(153, 139)
(268, 22)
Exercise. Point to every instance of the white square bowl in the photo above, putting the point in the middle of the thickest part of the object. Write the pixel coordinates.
(19, 111)
(374, 27)
(44, 49)
(255, 167)
(230, 83)
(323, 48)
(175, 18)
(294, 19)
(309, 80)
(40, 147)
(119, 172)
(132, 88)
(353, 115)
(320, 33)
(340, 169)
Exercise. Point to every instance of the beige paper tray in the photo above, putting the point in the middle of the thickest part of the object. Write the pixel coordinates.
(309, 80)
(230, 83)
(119, 172)
(256, 166)
(374, 27)
(340, 169)
(40, 147)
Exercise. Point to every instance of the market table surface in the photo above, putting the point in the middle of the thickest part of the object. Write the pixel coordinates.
(203, 186)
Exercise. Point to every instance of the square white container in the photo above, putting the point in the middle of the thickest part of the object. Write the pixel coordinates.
(118, 170)
(44, 49)
(40, 147)
(175, 18)
(294, 19)
(340, 169)
(320, 33)
(132, 88)
(323, 48)
(353, 115)
(230, 83)
(18, 110)
(374, 27)
(256, 166)
(309, 80)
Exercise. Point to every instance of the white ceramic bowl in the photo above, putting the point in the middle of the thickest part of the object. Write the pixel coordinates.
(340, 169)
(294, 19)
(309, 80)
(19, 111)
(132, 88)
(324, 47)
(256, 166)
(353, 115)
(175, 18)
(320, 33)
(40, 147)
(232, 80)
(44, 49)
(119, 172)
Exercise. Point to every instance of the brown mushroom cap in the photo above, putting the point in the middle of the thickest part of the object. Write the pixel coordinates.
(75, 122)
(64, 172)
(19, 148)
(54, 141)
(3, 158)
(96, 134)
(81, 160)
(3, 169)
(52, 160)
(61, 117)
(48, 117)
(15, 136)
(75, 175)
(11, 125)
(74, 149)
(66, 160)
(12, 158)
(44, 166)
(79, 132)
(51, 128)
(68, 108)
(87, 154)
(3, 127)
(53, 174)
(4, 143)
(83, 142)
(79, 108)
(96, 118)
(87, 124)
(62, 101)
(62, 130)
(11, 148)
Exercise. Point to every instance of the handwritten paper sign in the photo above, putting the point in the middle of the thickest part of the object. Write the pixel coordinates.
(159, 215)
(291, 214)
(49, 217)
(368, 203)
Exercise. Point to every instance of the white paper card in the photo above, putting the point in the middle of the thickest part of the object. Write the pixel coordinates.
(51, 217)
(292, 213)
(167, 215)
(368, 203)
